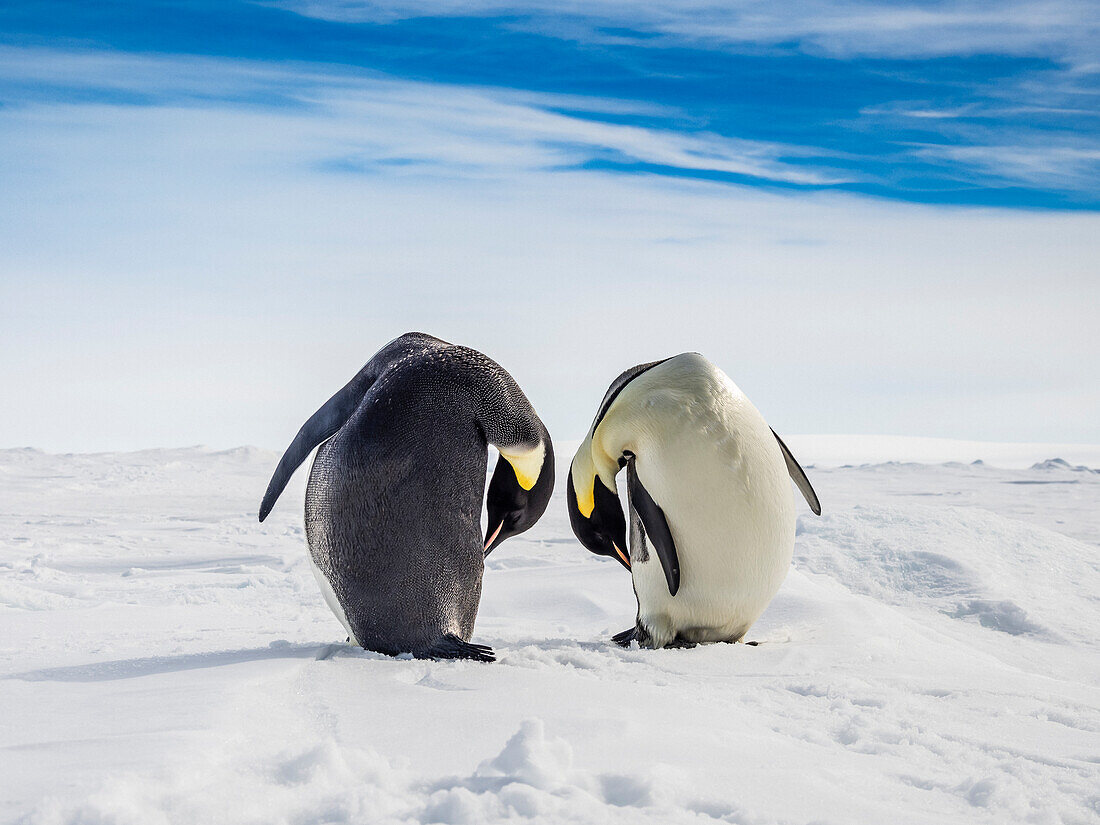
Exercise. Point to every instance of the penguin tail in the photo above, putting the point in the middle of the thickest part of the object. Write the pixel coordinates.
(452, 647)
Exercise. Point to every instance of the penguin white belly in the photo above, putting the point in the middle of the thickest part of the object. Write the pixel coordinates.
(330, 599)
(724, 490)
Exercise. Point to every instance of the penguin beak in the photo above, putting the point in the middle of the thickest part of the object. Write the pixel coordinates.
(623, 558)
(491, 538)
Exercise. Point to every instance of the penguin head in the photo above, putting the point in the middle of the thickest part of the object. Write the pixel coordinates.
(519, 491)
(595, 512)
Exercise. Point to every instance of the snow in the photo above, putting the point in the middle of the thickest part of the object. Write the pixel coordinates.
(930, 658)
(840, 450)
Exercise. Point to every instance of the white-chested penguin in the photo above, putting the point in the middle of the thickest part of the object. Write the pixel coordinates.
(712, 517)
(393, 502)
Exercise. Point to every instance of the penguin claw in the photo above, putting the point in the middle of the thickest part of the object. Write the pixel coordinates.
(452, 647)
(626, 637)
(681, 643)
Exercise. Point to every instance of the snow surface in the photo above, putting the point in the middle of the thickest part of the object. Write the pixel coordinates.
(932, 657)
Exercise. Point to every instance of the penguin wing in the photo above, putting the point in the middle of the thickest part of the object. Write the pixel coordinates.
(321, 426)
(798, 476)
(656, 528)
(335, 412)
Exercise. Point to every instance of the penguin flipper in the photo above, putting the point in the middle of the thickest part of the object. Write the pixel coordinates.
(335, 412)
(656, 527)
(452, 647)
(321, 426)
(798, 476)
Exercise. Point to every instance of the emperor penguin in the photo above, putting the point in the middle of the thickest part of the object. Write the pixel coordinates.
(394, 497)
(711, 511)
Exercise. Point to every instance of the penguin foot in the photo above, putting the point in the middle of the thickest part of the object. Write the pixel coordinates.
(626, 637)
(452, 647)
(635, 634)
(682, 643)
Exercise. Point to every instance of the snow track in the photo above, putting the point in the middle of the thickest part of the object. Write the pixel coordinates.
(931, 657)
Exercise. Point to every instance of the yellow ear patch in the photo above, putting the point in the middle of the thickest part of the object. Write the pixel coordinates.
(586, 497)
(526, 463)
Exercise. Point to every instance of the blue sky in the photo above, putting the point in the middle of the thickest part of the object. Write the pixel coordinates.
(877, 217)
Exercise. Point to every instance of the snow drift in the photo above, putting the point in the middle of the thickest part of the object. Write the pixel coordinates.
(931, 657)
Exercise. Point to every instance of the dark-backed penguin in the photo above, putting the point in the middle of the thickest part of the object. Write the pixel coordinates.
(711, 512)
(393, 502)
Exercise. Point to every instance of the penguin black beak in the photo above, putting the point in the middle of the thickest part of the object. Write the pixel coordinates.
(622, 557)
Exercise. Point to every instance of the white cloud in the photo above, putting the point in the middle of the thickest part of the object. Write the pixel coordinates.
(1068, 167)
(1018, 127)
(1064, 29)
(381, 120)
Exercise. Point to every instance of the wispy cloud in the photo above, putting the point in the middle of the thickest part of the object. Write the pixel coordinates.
(454, 130)
(1066, 29)
(812, 94)
(1038, 165)
(990, 143)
